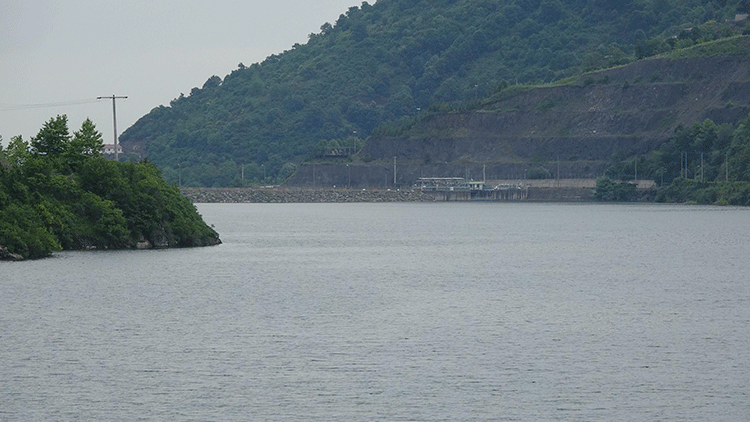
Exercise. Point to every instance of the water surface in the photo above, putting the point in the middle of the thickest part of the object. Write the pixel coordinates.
(359, 312)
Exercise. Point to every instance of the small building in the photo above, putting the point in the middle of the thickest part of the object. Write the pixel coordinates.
(340, 151)
(442, 183)
(109, 149)
(475, 185)
(450, 184)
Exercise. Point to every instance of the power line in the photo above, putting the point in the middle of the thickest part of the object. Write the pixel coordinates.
(16, 107)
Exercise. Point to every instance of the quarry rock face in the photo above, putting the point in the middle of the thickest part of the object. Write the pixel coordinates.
(579, 127)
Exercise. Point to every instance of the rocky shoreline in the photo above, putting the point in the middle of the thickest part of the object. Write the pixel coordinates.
(5, 255)
(302, 195)
(261, 195)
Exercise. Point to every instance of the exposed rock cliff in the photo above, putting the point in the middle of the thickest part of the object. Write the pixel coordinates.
(574, 129)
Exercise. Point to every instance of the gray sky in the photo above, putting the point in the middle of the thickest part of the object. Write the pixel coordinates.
(56, 57)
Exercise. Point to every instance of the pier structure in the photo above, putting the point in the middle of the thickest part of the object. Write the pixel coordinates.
(459, 189)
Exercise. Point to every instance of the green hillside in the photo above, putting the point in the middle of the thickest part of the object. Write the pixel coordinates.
(379, 63)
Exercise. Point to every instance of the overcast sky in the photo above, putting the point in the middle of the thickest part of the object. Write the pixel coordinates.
(56, 57)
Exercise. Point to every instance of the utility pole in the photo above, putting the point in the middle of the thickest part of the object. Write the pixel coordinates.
(114, 119)
(394, 171)
(726, 164)
(683, 165)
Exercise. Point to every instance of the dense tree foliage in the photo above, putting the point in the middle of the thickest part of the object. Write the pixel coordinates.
(389, 60)
(58, 192)
(704, 163)
(611, 190)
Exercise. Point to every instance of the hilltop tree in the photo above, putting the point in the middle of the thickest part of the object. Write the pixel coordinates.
(17, 151)
(87, 141)
(52, 138)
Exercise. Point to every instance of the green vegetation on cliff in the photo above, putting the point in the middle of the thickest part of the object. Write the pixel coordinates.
(58, 192)
(609, 190)
(704, 163)
(383, 62)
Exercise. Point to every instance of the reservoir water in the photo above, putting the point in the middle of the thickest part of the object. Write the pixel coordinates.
(398, 312)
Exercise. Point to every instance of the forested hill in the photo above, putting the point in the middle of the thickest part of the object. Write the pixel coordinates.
(382, 62)
(59, 192)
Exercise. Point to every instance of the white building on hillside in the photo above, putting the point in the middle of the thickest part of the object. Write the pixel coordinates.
(110, 149)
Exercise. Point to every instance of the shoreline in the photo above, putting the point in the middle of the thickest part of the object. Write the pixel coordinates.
(302, 195)
(344, 195)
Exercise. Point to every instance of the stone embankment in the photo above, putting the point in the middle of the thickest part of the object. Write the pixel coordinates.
(302, 195)
(565, 191)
